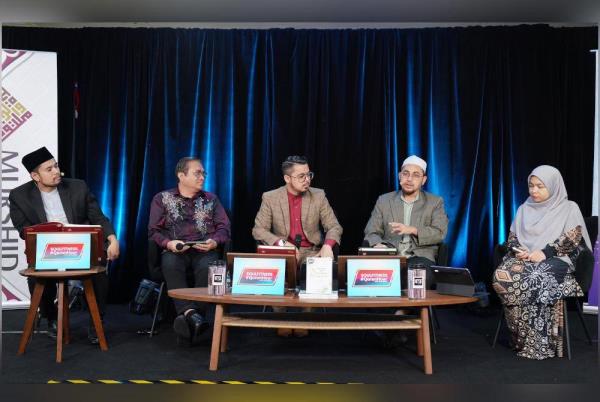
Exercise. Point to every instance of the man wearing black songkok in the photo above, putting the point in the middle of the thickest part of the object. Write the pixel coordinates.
(50, 198)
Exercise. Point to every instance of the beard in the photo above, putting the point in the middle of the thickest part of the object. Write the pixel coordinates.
(410, 191)
(53, 182)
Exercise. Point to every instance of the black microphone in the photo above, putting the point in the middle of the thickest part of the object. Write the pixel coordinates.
(180, 246)
(298, 241)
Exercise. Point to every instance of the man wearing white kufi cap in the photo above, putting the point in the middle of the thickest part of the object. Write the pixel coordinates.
(411, 220)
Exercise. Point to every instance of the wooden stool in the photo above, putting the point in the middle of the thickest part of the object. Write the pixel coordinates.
(41, 277)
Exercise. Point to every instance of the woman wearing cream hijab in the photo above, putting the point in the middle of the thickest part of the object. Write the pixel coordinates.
(545, 239)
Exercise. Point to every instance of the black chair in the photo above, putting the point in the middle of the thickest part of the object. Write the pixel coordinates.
(584, 271)
(441, 260)
(158, 285)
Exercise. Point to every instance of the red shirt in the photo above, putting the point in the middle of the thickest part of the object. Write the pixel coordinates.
(295, 203)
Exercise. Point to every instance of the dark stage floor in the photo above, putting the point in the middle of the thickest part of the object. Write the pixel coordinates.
(462, 355)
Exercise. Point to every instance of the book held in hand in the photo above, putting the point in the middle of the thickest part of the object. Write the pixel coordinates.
(262, 249)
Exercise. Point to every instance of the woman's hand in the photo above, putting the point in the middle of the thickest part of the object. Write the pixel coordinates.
(524, 256)
(537, 256)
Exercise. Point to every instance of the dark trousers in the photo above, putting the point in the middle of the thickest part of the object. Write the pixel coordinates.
(427, 263)
(175, 268)
(48, 308)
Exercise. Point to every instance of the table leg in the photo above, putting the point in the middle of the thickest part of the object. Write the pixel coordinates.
(31, 313)
(60, 324)
(224, 331)
(66, 312)
(426, 340)
(216, 341)
(90, 296)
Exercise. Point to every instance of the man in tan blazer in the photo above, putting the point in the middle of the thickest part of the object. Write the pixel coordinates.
(294, 214)
(297, 209)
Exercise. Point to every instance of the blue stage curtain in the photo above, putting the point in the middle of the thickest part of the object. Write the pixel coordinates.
(483, 105)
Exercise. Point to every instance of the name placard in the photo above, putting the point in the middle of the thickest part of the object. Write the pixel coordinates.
(373, 277)
(62, 251)
(258, 276)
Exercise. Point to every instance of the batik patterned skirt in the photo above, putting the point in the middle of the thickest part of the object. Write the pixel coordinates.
(532, 294)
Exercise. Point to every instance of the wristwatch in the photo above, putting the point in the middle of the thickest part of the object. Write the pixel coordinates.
(280, 242)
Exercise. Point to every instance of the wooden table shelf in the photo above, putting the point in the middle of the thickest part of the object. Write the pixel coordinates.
(320, 321)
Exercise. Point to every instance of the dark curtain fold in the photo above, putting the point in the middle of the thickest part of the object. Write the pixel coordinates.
(483, 105)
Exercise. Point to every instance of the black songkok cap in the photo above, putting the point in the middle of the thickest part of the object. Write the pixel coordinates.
(36, 158)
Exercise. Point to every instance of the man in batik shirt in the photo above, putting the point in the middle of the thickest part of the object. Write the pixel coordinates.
(179, 216)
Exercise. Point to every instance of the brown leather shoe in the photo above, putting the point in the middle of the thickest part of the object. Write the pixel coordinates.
(284, 332)
(300, 333)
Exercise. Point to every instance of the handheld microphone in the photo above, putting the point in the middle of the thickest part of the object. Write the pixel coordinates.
(298, 241)
(180, 246)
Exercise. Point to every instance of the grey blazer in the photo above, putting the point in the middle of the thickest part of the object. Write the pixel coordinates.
(428, 216)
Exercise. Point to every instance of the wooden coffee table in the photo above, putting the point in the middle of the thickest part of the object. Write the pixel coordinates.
(320, 321)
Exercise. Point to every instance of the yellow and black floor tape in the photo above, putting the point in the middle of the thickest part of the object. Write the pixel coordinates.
(174, 382)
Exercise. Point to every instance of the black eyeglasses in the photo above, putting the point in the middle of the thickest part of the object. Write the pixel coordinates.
(303, 176)
(415, 175)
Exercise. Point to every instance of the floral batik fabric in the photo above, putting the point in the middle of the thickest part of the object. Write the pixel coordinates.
(532, 293)
(175, 217)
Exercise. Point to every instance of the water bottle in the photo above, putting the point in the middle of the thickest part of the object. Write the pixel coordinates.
(216, 278)
(417, 275)
(228, 281)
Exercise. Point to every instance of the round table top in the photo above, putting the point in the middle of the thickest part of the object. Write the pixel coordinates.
(73, 273)
(292, 300)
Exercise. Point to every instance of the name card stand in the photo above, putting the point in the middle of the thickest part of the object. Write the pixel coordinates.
(343, 262)
(97, 254)
(290, 265)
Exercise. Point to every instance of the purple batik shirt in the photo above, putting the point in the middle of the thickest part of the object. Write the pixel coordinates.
(175, 217)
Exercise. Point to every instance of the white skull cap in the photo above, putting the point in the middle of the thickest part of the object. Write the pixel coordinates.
(415, 160)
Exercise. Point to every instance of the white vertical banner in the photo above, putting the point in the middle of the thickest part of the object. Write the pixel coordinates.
(29, 121)
(595, 199)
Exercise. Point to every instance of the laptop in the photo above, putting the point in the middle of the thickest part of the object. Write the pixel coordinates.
(453, 281)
